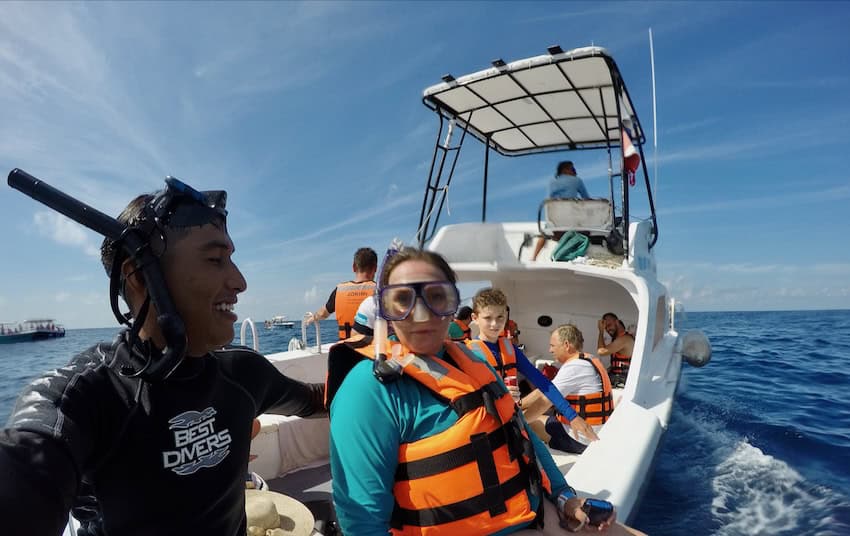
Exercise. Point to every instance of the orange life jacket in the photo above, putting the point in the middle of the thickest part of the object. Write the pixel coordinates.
(619, 363)
(510, 330)
(595, 408)
(475, 476)
(507, 364)
(349, 295)
(467, 331)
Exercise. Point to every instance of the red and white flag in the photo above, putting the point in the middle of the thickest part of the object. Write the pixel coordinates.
(631, 158)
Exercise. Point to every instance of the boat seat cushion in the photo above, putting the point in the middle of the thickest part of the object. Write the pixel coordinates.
(591, 215)
(286, 443)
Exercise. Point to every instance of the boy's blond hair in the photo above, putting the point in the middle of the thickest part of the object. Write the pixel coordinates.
(489, 297)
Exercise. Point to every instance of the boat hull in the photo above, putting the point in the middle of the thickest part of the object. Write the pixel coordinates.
(30, 336)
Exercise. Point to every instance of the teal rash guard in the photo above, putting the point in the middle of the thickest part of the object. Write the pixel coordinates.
(369, 421)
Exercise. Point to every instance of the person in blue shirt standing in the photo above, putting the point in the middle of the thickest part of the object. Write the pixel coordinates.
(566, 184)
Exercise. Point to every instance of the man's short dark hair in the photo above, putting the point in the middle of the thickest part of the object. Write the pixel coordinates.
(365, 259)
(610, 315)
(464, 313)
(130, 216)
(566, 165)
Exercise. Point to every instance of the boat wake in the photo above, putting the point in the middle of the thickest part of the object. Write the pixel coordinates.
(755, 493)
(706, 460)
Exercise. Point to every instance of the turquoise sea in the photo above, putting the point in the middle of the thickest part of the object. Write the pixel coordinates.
(759, 442)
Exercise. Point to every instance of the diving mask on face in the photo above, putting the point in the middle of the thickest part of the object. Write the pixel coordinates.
(398, 301)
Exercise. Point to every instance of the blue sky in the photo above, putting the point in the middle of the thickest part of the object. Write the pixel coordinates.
(310, 115)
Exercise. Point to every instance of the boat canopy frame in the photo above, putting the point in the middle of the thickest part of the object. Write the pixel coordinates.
(560, 101)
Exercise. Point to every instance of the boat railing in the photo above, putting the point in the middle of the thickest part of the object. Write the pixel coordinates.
(318, 332)
(256, 340)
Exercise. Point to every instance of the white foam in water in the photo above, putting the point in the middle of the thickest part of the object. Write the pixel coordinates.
(757, 494)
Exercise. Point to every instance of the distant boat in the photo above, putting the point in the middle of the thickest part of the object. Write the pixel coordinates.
(36, 329)
(279, 322)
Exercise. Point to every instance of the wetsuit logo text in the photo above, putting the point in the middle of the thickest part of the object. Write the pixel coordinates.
(197, 443)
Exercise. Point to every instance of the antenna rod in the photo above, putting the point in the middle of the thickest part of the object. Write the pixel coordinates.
(654, 119)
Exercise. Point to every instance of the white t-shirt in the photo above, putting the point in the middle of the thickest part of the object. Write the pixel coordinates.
(578, 377)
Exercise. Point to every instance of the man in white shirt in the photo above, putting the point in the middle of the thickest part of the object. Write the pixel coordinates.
(577, 377)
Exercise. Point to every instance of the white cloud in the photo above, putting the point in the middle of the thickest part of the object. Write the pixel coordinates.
(66, 232)
(62, 296)
(796, 199)
(310, 295)
(94, 298)
(834, 268)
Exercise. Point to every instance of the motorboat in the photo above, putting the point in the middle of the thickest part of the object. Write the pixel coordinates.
(36, 329)
(279, 321)
(561, 101)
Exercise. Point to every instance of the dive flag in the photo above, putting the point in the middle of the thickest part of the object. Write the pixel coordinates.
(631, 158)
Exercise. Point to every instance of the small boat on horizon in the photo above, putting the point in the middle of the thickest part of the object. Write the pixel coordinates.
(279, 321)
(36, 329)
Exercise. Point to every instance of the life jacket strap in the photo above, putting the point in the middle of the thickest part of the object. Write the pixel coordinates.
(344, 330)
(486, 396)
(449, 460)
(466, 508)
(581, 402)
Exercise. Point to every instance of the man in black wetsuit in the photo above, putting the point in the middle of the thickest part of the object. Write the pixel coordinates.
(160, 455)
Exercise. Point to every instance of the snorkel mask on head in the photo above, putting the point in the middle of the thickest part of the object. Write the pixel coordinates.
(142, 240)
(179, 205)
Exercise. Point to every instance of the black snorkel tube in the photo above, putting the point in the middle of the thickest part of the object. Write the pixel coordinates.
(137, 247)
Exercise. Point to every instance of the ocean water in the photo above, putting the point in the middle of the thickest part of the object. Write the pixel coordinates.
(759, 442)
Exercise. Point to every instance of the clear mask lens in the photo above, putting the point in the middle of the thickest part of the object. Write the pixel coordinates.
(440, 297)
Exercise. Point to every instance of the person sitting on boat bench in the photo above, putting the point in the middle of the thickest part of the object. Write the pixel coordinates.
(583, 382)
(346, 297)
(511, 330)
(160, 437)
(459, 329)
(490, 314)
(363, 330)
(565, 185)
(620, 348)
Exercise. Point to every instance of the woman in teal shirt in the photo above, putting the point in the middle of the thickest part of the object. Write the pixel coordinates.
(376, 424)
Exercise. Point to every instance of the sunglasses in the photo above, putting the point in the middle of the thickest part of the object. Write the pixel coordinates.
(180, 205)
(397, 301)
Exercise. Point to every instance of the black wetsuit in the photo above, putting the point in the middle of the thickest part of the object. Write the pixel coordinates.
(164, 458)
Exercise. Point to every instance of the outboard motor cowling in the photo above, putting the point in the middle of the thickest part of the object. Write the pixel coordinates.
(695, 348)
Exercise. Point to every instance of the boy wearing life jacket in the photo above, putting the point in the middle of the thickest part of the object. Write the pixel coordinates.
(489, 312)
(620, 348)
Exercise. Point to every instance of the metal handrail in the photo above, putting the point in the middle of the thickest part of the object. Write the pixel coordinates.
(242, 332)
(318, 331)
